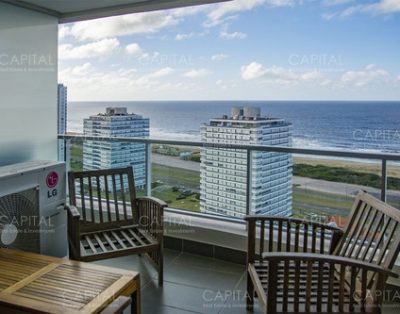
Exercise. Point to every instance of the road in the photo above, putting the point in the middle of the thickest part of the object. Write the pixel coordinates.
(301, 182)
(175, 162)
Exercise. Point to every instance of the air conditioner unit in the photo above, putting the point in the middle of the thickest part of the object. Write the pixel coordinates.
(32, 199)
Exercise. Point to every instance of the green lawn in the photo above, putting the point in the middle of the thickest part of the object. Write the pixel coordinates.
(344, 175)
(166, 194)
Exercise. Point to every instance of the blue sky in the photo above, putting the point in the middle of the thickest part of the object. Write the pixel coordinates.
(239, 50)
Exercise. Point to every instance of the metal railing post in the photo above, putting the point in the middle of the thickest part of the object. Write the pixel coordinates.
(248, 185)
(148, 168)
(384, 180)
(67, 154)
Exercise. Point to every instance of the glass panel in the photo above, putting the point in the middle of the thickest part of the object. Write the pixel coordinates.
(214, 180)
(75, 154)
(93, 155)
(324, 188)
(393, 184)
(176, 176)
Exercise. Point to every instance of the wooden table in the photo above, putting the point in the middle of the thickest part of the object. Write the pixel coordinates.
(36, 283)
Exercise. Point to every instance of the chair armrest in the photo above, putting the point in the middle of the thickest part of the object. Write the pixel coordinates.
(326, 258)
(151, 215)
(153, 200)
(347, 282)
(267, 218)
(286, 234)
(73, 212)
(117, 306)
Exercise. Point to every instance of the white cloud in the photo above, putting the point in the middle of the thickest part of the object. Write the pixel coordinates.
(187, 11)
(138, 23)
(385, 6)
(233, 35)
(375, 8)
(85, 82)
(130, 24)
(211, 23)
(87, 78)
(196, 73)
(370, 74)
(184, 36)
(96, 49)
(151, 56)
(162, 72)
(82, 70)
(63, 31)
(278, 75)
(329, 16)
(134, 49)
(219, 57)
(231, 7)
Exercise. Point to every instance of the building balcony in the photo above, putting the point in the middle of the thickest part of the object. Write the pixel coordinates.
(326, 199)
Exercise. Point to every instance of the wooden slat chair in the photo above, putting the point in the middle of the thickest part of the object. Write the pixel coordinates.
(105, 219)
(297, 266)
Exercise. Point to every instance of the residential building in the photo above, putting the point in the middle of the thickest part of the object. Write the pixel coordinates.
(116, 122)
(62, 109)
(224, 171)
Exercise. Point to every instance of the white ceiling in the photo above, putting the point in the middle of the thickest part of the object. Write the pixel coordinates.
(79, 10)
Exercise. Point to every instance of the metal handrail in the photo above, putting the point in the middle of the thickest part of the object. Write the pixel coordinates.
(265, 148)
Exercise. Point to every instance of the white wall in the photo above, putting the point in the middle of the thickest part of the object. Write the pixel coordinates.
(28, 85)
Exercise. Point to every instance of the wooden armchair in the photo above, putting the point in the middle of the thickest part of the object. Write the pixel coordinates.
(308, 267)
(105, 219)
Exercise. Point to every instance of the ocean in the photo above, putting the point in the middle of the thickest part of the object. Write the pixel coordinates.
(372, 126)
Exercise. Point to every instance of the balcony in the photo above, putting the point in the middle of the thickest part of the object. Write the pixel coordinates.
(221, 234)
(205, 246)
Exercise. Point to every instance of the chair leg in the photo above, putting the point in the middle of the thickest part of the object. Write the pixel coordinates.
(72, 254)
(250, 294)
(135, 302)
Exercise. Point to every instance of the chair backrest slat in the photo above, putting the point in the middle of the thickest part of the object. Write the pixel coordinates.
(372, 233)
(114, 192)
(107, 198)
(104, 197)
(121, 179)
(99, 201)
(93, 219)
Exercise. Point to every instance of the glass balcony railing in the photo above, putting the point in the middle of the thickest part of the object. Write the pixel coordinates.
(228, 180)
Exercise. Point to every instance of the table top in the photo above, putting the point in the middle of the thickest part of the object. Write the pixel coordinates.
(53, 285)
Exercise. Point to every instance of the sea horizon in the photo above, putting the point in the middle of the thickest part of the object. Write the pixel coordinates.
(327, 124)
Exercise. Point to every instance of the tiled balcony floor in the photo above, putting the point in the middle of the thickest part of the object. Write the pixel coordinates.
(193, 284)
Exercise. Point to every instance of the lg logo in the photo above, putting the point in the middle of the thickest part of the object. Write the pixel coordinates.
(52, 181)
